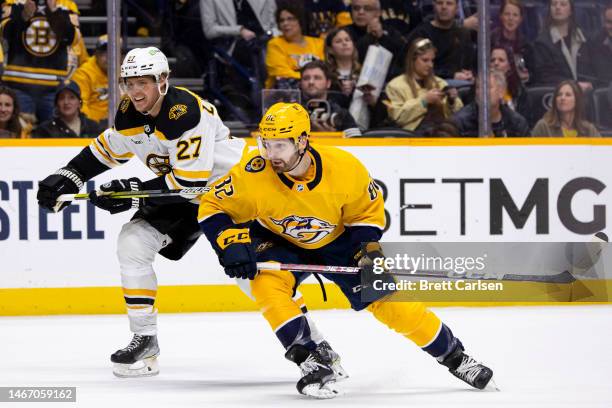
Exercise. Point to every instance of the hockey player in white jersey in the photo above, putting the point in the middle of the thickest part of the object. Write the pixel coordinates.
(181, 139)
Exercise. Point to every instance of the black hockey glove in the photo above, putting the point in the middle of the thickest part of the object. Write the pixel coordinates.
(64, 181)
(237, 256)
(117, 205)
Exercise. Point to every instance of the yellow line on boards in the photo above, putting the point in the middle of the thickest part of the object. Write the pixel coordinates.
(229, 298)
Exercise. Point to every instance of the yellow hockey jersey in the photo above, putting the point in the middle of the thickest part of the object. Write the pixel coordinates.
(284, 59)
(93, 83)
(308, 213)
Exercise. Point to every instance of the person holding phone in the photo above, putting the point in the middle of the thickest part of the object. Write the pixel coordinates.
(418, 99)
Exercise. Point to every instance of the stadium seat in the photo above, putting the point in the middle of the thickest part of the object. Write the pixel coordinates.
(540, 101)
(603, 107)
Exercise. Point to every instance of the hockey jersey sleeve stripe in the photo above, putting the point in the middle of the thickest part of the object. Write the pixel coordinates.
(117, 156)
(109, 161)
(187, 174)
(160, 135)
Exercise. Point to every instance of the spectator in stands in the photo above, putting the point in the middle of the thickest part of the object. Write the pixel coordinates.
(515, 96)
(561, 50)
(68, 120)
(505, 122)
(456, 56)
(508, 35)
(341, 55)
(566, 116)
(418, 99)
(39, 38)
(324, 15)
(237, 20)
(403, 15)
(290, 51)
(368, 29)
(241, 28)
(602, 50)
(92, 80)
(12, 125)
(325, 114)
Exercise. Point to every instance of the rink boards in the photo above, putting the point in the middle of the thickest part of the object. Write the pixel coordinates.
(511, 190)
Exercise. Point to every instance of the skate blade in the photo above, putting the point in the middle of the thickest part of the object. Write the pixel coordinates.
(142, 368)
(326, 391)
(340, 373)
(491, 386)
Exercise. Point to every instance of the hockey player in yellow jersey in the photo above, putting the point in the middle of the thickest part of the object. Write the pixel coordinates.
(312, 204)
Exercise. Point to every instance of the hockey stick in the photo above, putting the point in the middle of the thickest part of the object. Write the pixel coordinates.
(191, 191)
(563, 277)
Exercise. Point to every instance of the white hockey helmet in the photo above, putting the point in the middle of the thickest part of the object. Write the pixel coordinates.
(145, 61)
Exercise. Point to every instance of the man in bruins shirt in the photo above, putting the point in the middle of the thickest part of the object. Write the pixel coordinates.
(312, 204)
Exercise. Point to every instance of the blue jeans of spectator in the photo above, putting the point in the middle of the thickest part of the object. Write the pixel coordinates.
(40, 103)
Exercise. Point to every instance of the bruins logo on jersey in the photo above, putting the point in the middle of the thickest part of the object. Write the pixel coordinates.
(177, 111)
(255, 165)
(39, 39)
(160, 165)
(307, 230)
(125, 103)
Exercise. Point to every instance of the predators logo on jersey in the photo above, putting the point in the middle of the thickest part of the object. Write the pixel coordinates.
(177, 111)
(307, 230)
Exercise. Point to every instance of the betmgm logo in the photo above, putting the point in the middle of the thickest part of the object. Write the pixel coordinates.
(306, 230)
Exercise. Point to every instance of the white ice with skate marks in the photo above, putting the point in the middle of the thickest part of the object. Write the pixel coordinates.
(541, 357)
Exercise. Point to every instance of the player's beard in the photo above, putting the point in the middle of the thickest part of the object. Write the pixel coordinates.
(285, 166)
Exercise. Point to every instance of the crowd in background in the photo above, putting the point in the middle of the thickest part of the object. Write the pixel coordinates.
(550, 64)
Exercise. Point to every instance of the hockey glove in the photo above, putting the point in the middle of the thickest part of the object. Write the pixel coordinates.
(64, 181)
(117, 205)
(238, 256)
(368, 252)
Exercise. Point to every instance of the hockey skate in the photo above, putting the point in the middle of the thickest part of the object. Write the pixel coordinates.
(328, 353)
(318, 377)
(138, 359)
(467, 369)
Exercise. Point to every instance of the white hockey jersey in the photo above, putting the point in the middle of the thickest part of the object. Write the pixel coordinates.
(186, 143)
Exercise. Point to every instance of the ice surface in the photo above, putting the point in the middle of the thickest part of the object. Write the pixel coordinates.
(542, 357)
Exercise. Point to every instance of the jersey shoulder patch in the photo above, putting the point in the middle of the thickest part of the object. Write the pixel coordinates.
(127, 117)
(255, 164)
(180, 112)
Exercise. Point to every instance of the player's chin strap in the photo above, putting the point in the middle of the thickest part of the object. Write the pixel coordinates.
(160, 98)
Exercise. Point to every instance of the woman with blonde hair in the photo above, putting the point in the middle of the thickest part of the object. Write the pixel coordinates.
(418, 99)
(566, 116)
(12, 125)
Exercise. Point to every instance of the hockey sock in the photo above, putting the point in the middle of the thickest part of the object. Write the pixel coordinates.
(272, 291)
(415, 322)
